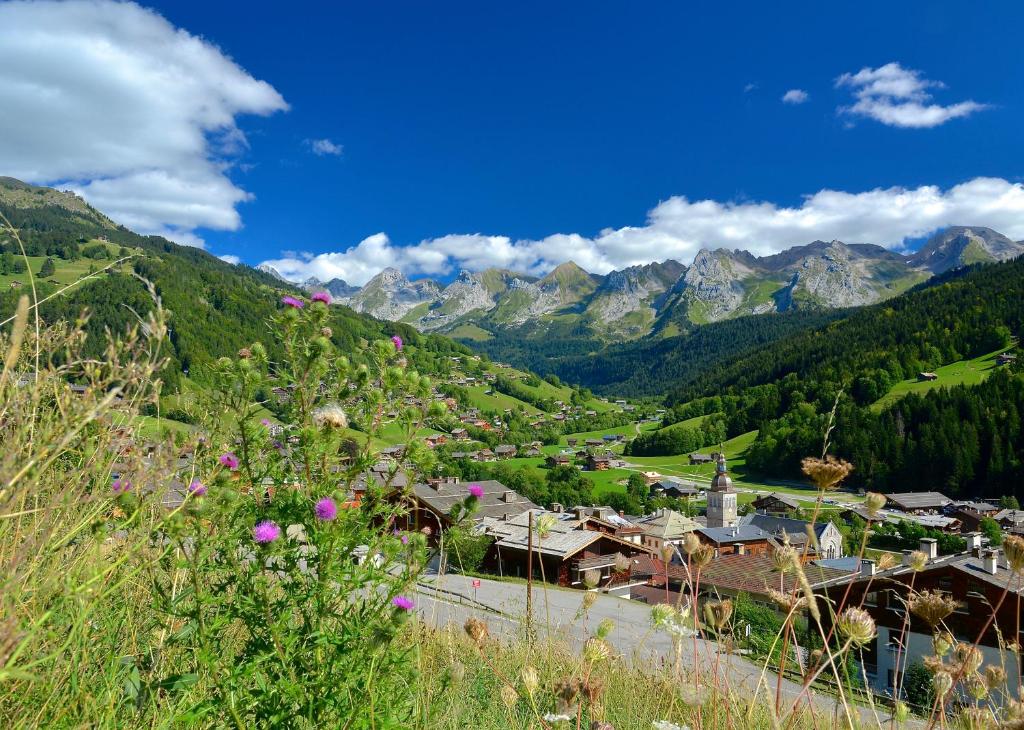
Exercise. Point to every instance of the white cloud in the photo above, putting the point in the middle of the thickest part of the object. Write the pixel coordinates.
(749, 87)
(136, 115)
(899, 97)
(231, 259)
(322, 147)
(678, 227)
(795, 96)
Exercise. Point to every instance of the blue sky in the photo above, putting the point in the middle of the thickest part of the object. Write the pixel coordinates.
(473, 134)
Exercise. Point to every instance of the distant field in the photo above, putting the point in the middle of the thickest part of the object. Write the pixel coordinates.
(694, 422)
(961, 372)
(496, 401)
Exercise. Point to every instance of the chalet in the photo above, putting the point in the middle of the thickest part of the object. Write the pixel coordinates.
(598, 462)
(506, 451)
(567, 553)
(1007, 358)
(829, 539)
(665, 527)
(674, 487)
(698, 459)
(460, 434)
(464, 455)
(776, 504)
(572, 441)
(969, 519)
(977, 579)
(986, 509)
(16, 284)
(533, 451)
(433, 502)
(558, 460)
(741, 539)
(611, 437)
(1009, 519)
(927, 377)
(436, 439)
(607, 520)
(593, 443)
(917, 502)
(485, 455)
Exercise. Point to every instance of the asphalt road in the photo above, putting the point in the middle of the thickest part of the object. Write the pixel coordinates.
(451, 599)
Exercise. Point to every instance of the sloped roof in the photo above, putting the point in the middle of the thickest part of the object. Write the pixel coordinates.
(919, 500)
(668, 524)
(777, 525)
(493, 503)
(729, 535)
(779, 497)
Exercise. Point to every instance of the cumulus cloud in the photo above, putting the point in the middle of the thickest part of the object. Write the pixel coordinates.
(900, 97)
(231, 259)
(795, 96)
(139, 117)
(324, 147)
(678, 227)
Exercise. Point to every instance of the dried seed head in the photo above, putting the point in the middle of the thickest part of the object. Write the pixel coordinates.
(691, 543)
(667, 552)
(703, 555)
(593, 688)
(326, 332)
(995, 676)
(591, 578)
(598, 725)
(530, 679)
(589, 598)
(718, 613)
(785, 558)
(857, 626)
(977, 718)
(476, 629)
(932, 607)
(976, 688)
(509, 696)
(1013, 549)
(826, 473)
(543, 525)
(943, 682)
(918, 561)
(330, 416)
(886, 561)
(873, 503)
(692, 695)
(567, 691)
(933, 664)
(244, 354)
(622, 563)
(968, 657)
(789, 603)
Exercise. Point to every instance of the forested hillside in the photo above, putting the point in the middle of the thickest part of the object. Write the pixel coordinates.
(215, 307)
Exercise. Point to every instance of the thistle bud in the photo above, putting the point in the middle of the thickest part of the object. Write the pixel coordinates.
(530, 679)
(476, 629)
(873, 503)
(943, 682)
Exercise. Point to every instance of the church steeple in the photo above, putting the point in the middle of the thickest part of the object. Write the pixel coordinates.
(722, 508)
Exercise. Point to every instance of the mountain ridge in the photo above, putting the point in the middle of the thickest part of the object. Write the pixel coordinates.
(663, 298)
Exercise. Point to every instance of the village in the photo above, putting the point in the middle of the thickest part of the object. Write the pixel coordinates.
(642, 555)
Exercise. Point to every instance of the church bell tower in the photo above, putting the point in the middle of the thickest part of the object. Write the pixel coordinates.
(722, 498)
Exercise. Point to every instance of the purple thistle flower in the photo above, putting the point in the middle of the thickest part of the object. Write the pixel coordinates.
(265, 422)
(326, 510)
(292, 302)
(475, 490)
(197, 488)
(121, 485)
(403, 603)
(266, 532)
(322, 296)
(405, 539)
(229, 460)
(397, 341)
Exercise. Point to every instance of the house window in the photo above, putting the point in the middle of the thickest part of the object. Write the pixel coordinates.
(946, 584)
(871, 599)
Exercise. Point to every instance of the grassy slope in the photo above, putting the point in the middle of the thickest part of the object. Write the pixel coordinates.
(961, 372)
